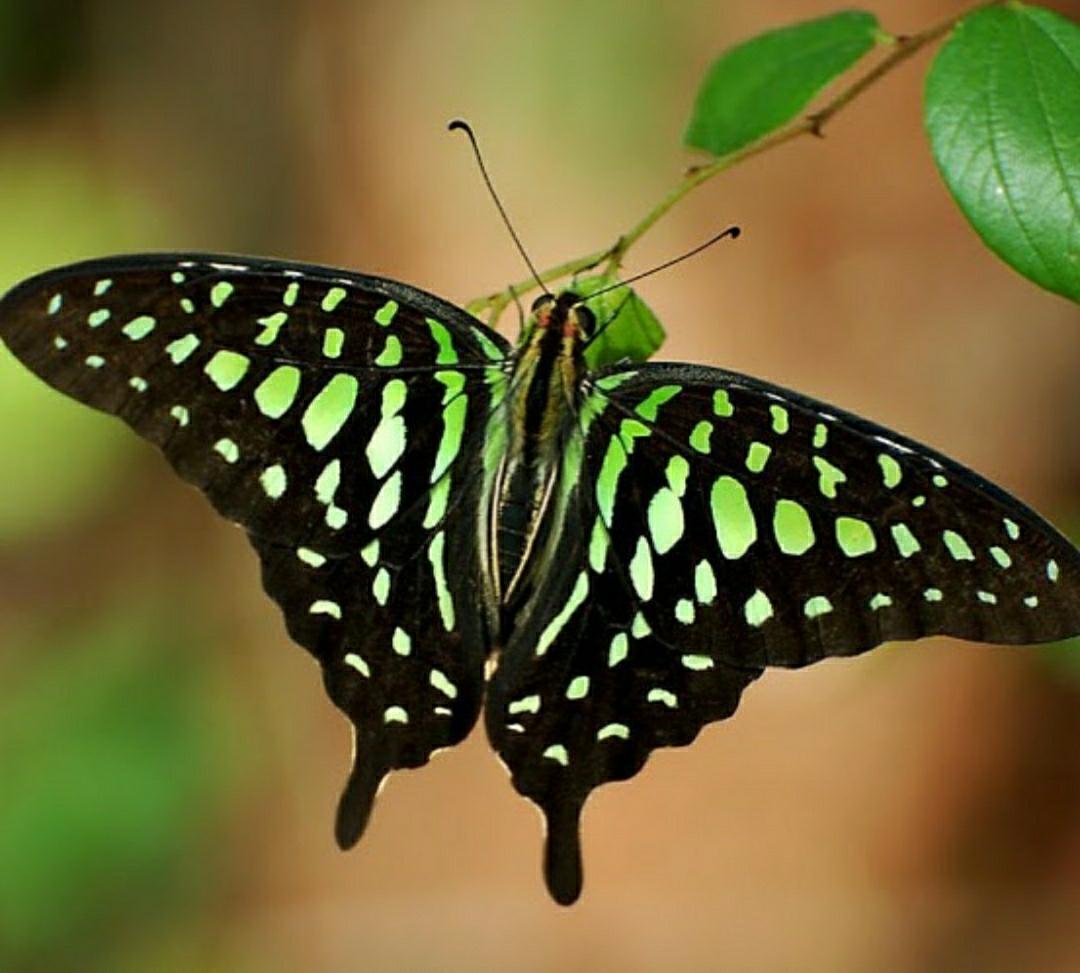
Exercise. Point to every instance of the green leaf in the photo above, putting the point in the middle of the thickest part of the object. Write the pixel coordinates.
(1003, 115)
(631, 331)
(756, 87)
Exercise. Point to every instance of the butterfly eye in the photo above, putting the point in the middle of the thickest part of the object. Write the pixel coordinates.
(586, 320)
(542, 300)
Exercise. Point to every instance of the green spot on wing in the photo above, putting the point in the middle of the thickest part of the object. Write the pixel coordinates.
(665, 518)
(385, 315)
(391, 354)
(698, 663)
(139, 327)
(1001, 556)
(272, 325)
(333, 342)
(440, 682)
(619, 649)
(182, 349)
(758, 609)
(400, 642)
(333, 298)
(757, 456)
(447, 354)
(829, 477)
(438, 568)
(957, 546)
(891, 473)
(227, 449)
(792, 527)
(906, 542)
(664, 696)
(705, 583)
(733, 517)
(277, 392)
(578, 688)
(615, 460)
(274, 481)
(700, 435)
(527, 704)
(356, 662)
(557, 752)
(329, 410)
(649, 407)
(227, 369)
(855, 537)
(386, 502)
(221, 292)
(641, 570)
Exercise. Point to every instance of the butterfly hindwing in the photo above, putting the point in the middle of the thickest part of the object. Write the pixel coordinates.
(330, 414)
(585, 691)
(717, 525)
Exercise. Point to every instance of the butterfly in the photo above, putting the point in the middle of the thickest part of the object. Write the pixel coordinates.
(603, 560)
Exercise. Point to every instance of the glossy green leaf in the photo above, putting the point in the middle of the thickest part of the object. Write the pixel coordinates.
(1003, 115)
(759, 85)
(631, 331)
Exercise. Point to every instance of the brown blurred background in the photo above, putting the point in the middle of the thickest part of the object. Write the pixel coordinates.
(169, 765)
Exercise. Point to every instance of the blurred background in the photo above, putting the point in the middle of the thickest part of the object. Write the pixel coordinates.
(169, 766)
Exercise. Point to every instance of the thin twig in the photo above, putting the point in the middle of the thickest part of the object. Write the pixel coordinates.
(813, 124)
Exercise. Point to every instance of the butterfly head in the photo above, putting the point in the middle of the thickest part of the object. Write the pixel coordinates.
(564, 313)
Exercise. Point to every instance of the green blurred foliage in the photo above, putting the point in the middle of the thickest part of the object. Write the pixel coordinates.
(117, 753)
(1003, 116)
(28, 68)
(60, 459)
(757, 86)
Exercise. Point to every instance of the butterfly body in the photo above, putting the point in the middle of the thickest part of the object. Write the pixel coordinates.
(545, 389)
(601, 560)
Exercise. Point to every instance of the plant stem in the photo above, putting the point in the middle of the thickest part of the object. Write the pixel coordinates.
(813, 124)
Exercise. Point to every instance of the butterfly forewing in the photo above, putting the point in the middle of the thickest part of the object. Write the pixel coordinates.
(826, 534)
(330, 414)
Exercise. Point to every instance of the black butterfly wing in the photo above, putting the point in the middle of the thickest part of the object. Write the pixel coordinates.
(716, 525)
(828, 534)
(330, 414)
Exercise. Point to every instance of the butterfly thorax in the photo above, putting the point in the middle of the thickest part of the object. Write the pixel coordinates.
(544, 390)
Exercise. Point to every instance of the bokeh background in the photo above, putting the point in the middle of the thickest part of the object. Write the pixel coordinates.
(169, 766)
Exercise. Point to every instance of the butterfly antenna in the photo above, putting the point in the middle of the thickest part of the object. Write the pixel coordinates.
(731, 231)
(457, 125)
